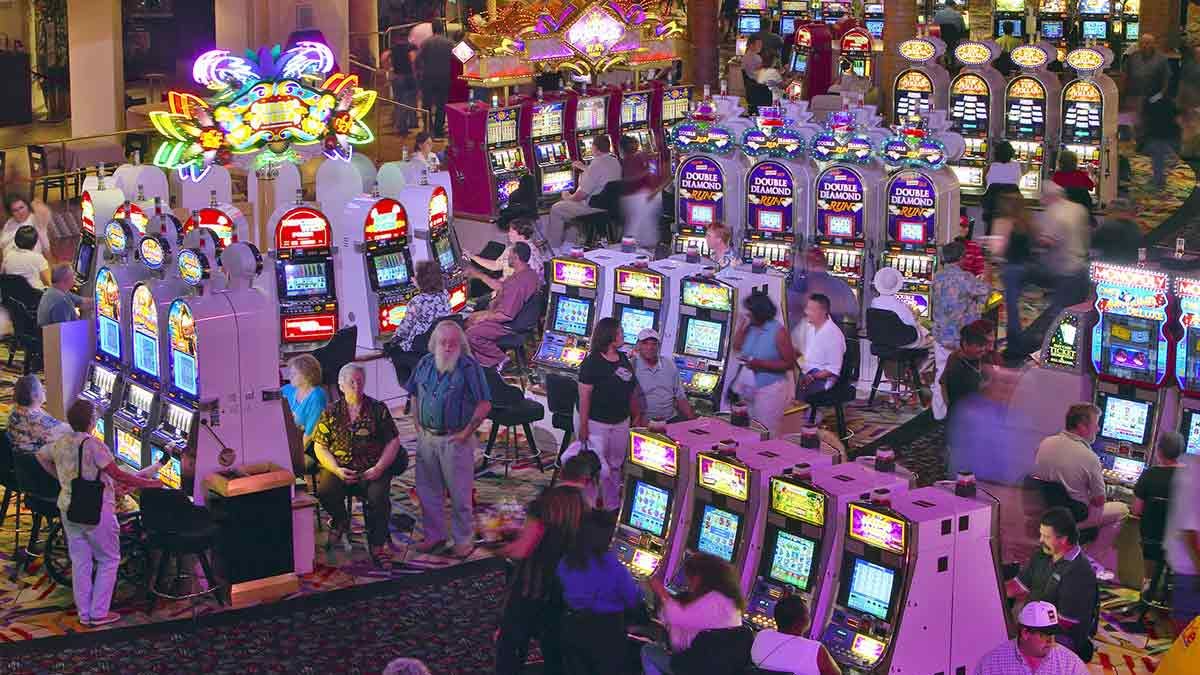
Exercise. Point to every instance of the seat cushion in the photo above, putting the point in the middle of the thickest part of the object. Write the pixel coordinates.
(898, 354)
(525, 412)
(192, 540)
(511, 341)
(832, 397)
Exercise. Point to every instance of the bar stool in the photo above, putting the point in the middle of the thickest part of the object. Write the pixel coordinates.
(177, 528)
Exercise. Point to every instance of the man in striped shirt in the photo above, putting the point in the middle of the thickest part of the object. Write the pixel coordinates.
(1034, 652)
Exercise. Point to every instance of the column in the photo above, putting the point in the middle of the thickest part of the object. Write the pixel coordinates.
(241, 24)
(97, 70)
(704, 54)
(900, 25)
(981, 19)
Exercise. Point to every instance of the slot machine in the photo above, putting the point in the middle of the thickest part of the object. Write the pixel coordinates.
(804, 520)
(609, 259)
(707, 308)
(833, 10)
(812, 61)
(433, 237)
(639, 299)
(921, 86)
(792, 13)
(96, 206)
(571, 312)
(674, 270)
(498, 162)
(857, 53)
(1187, 361)
(674, 102)
(635, 121)
(375, 270)
(552, 158)
(920, 589)
(1095, 17)
(1010, 12)
(976, 112)
(655, 475)
(304, 278)
(1053, 25)
(749, 22)
(874, 19)
(1130, 353)
(133, 213)
(1031, 104)
(707, 182)
(1131, 20)
(777, 190)
(591, 120)
(223, 220)
(1089, 119)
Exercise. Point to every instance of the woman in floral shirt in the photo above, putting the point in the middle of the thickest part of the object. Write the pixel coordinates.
(431, 304)
(30, 427)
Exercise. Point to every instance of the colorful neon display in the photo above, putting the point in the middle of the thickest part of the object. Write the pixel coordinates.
(728, 479)
(841, 141)
(877, 529)
(653, 453)
(914, 147)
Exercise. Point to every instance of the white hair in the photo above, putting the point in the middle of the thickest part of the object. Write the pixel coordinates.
(348, 370)
(439, 331)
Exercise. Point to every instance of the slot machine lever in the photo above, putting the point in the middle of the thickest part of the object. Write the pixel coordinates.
(204, 423)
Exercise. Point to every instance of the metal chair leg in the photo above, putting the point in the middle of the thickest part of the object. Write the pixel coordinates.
(875, 384)
(537, 455)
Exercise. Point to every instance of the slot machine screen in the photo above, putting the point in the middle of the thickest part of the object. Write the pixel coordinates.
(554, 182)
(912, 232)
(770, 221)
(706, 296)
(701, 214)
(800, 61)
(1095, 30)
(839, 226)
(547, 120)
(445, 253)
(129, 449)
(787, 25)
(635, 108)
(171, 473)
(591, 114)
(98, 430)
(793, 559)
(1016, 26)
(871, 588)
(795, 501)
(572, 315)
(185, 376)
(1132, 32)
(83, 258)
(875, 28)
(390, 270)
(145, 353)
(1026, 114)
(749, 24)
(1191, 431)
(648, 508)
(1126, 420)
(1082, 122)
(703, 338)
(302, 280)
(635, 320)
(110, 336)
(718, 532)
(1052, 30)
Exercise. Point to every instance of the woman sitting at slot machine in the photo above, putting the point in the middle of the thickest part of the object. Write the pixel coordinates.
(423, 151)
(96, 547)
(358, 447)
(304, 394)
(713, 601)
(426, 307)
(766, 356)
(609, 399)
(719, 239)
(483, 271)
(30, 427)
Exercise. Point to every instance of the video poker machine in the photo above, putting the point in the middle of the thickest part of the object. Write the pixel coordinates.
(639, 300)
(1031, 104)
(1130, 354)
(922, 214)
(1187, 361)
(707, 308)
(812, 61)
(1053, 23)
(920, 588)
(1089, 119)
(1131, 20)
(976, 111)
(633, 119)
(673, 107)
(304, 278)
(498, 161)
(375, 275)
(551, 154)
(856, 49)
(1009, 13)
(433, 237)
(874, 18)
(792, 14)
(591, 120)
(96, 206)
(750, 21)
(654, 480)
(571, 312)
(1095, 19)
(922, 86)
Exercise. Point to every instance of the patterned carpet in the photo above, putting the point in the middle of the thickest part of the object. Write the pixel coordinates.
(1156, 206)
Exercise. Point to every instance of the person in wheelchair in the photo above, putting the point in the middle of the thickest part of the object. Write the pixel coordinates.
(430, 304)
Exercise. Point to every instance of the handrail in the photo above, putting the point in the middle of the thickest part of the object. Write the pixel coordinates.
(72, 139)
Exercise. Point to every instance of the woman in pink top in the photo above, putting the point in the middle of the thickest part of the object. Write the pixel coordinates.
(713, 600)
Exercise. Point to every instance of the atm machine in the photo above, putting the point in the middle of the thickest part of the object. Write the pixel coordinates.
(1009, 12)
(920, 589)
(498, 162)
(304, 277)
(812, 61)
(1089, 120)
(1187, 361)
(1053, 22)
(552, 159)
(576, 288)
(778, 202)
(923, 84)
(655, 476)
(1095, 19)
(976, 111)
(639, 299)
(707, 309)
(632, 118)
(591, 120)
(97, 205)
(374, 268)
(1130, 352)
(707, 181)
(1031, 104)
(433, 237)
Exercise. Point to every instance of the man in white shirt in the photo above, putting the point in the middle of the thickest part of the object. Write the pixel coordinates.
(824, 347)
(24, 259)
(787, 650)
(888, 282)
(603, 169)
(1182, 542)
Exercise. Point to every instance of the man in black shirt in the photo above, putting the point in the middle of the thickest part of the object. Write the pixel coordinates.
(1059, 573)
(1154, 486)
(964, 374)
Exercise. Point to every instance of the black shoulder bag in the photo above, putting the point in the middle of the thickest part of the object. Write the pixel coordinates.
(87, 496)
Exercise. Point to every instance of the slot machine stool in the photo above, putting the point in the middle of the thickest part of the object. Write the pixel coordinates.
(562, 393)
(523, 326)
(176, 528)
(841, 393)
(886, 332)
(511, 409)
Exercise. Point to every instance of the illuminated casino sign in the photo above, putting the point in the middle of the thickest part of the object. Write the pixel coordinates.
(877, 529)
(87, 212)
(1187, 371)
(116, 236)
(1063, 349)
(770, 197)
(701, 188)
(574, 273)
(1129, 276)
(386, 220)
(1029, 56)
(918, 50)
(653, 452)
(973, 53)
(911, 208)
(841, 141)
(693, 136)
(840, 203)
(856, 40)
(439, 208)
(302, 227)
(267, 105)
(193, 267)
(134, 214)
(780, 142)
(152, 252)
(913, 146)
(215, 220)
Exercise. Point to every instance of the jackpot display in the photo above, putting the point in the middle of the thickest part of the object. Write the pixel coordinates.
(308, 315)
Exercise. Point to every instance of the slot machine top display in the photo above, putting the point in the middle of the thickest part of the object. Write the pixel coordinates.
(1128, 341)
(1187, 350)
(212, 219)
(304, 276)
(389, 267)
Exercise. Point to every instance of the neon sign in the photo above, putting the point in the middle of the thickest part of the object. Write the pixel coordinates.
(302, 227)
(653, 453)
(1129, 276)
(693, 136)
(841, 141)
(912, 146)
(876, 529)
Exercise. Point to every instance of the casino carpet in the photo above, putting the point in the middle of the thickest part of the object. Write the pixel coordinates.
(1155, 206)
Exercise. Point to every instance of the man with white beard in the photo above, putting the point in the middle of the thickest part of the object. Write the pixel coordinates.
(450, 400)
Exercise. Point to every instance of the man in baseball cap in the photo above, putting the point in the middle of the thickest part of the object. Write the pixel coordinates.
(1034, 651)
(659, 379)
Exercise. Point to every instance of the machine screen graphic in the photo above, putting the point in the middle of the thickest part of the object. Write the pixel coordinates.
(110, 336)
(181, 329)
(145, 331)
(871, 588)
(108, 313)
(707, 296)
(1193, 433)
(648, 511)
(911, 232)
(839, 226)
(639, 284)
(1052, 30)
(793, 560)
(653, 453)
(877, 529)
(305, 279)
(547, 120)
(171, 474)
(129, 448)
(635, 108)
(798, 502)
(718, 532)
(703, 338)
(554, 182)
(1026, 115)
(1095, 30)
(1010, 6)
(145, 353)
(770, 221)
(1125, 420)
(700, 214)
(591, 114)
(83, 259)
(751, 23)
(633, 321)
(571, 315)
(800, 61)
(445, 253)
(390, 270)
(727, 479)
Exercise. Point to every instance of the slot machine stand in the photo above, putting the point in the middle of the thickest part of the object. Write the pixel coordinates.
(67, 350)
(252, 507)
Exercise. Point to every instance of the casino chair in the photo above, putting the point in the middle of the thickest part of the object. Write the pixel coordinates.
(522, 327)
(333, 355)
(606, 223)
(842, 392)
(887, 332)
(1046, 494)
(177, 528)
(40, 492)
(562, 393)
(8, 481)
(510, 409)
(718, 651)
(21, 300)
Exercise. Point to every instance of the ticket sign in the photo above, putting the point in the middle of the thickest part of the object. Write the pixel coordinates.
(725, 478)
(302, 227)
(309, 328)
(701, 182)
(387, 220)
(840, 203)
(1063, 350)
(877, 529)
(654, 452)
(639, 284)
(799, 502)
(574, 273)
(770, 197)
(912, 208)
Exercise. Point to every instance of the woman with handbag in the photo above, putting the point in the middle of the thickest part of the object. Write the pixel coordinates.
(87, 474)
(765, 353)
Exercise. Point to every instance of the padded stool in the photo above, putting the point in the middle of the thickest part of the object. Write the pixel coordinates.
(176, 528)
(522, 414)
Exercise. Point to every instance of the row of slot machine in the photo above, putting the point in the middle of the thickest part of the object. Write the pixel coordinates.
(784, 17)
(544, 135)
(1067, 23)
(1033, 110)
(897, 579)
(818, 58)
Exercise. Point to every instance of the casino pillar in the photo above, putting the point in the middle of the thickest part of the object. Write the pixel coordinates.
(242, 24)
(364, 39)
(901, 25)
(704, 54)
(97, 70)
(264, 228)
(980, 12)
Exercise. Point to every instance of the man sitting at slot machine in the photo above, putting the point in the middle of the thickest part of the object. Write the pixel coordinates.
(1034, 650)
(603, 169)
(843, 304)
(484, 328)
(58, 303)
(662, 390)
(789, 650)
(888, 282)
(824, 346)
(1059, 573)
(358, 447)
(483, 272)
